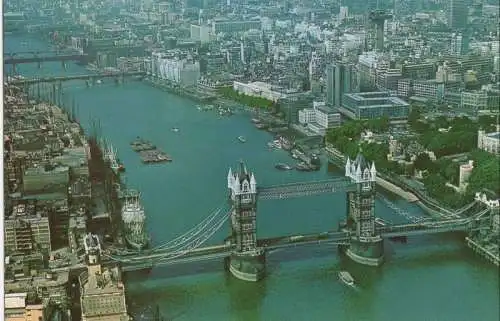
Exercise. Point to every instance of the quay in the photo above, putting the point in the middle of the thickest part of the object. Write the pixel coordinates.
(50, 210)
(487, 253)
(193, 94)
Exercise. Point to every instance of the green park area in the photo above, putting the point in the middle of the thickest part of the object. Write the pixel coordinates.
(449, 139)
(256, 102)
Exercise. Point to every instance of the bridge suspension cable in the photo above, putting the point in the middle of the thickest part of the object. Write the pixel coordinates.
(187, 236)
(193, 232)
(399, 211)
(184, 249)
(195, 244)
(465, 208)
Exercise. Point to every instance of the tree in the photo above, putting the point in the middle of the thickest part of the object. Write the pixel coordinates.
(423, 162)
(414, 116)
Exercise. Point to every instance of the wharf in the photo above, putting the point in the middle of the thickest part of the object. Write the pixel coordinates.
(154, 156)
(488, 252)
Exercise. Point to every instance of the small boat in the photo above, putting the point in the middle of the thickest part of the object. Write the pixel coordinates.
(283, 167)
(99, 81)
(270, 145)
(295, 155)
(175, 129)
(242, 139)
(255, 121)
(346, 277)
(303, 167)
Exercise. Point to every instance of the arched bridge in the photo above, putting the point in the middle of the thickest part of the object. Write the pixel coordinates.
(360, 236)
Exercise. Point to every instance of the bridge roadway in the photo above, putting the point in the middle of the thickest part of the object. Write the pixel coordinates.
(445, 226)
(137, 261)
(301, 189)
(148, 259)
(26, 60)
(29, 81)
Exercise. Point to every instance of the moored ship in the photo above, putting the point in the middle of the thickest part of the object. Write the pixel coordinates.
(134, 221)
(110, 157)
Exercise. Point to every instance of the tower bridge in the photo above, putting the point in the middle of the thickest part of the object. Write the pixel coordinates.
(361, 235)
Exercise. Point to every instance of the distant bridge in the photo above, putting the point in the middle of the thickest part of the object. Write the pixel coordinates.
(12, 60)
(30, 81)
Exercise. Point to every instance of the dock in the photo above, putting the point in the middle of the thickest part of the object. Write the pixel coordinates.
(154, 156)
(490, 252)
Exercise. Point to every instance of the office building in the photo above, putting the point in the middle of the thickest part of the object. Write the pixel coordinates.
(319, 118)
(17, 309)
(340, 79)
(374, 105)
(458, 12)
(234, 26)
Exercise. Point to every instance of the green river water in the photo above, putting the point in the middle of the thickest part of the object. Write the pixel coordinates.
(432, 278)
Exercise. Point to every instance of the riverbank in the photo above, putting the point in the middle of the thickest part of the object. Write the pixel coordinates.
(389, 186)
(180, 91)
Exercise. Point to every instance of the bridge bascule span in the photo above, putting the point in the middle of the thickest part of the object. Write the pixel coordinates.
(361, 236)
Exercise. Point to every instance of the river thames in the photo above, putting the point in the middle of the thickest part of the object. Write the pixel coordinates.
(432, 278)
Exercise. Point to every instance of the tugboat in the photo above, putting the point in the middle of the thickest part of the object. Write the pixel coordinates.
(346, 277)
(283, 167)
(242, 139)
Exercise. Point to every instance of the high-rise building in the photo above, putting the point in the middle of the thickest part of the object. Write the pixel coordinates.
(457, 14)
(340, 79)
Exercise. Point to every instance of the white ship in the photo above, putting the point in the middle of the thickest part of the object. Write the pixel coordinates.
(134, 221)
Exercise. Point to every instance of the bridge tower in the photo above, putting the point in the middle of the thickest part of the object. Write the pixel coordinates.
(366, 247)
(247, 262)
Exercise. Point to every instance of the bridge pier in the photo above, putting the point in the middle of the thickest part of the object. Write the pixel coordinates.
(367, 251)
(248, 267)
(366, 246)
(247, 262)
